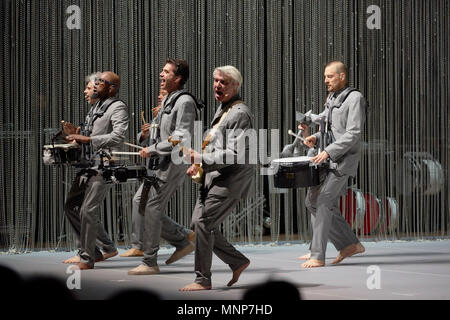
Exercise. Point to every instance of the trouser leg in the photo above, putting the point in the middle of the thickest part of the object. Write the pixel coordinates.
(72, 208)
(327, 220)
(173, 232)
(207, 217)
(90, 220)
(137, 221)
(154, 221)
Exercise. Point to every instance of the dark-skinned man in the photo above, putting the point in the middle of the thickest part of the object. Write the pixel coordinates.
(75, 199)
(105, 128)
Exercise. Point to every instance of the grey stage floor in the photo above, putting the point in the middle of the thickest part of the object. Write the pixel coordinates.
(408, 270)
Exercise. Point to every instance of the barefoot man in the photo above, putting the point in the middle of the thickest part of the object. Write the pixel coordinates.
(227, 179)
(345, 112)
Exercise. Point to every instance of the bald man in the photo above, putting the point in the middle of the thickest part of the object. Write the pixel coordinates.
(75, 198)
(345, 113)
(105, 128)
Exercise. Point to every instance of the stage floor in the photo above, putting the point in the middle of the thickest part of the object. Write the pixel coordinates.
(407, 270)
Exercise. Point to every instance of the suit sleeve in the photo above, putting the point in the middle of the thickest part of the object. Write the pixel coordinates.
(184, 126)
(352, 135)
(119, 122)
(235, 148)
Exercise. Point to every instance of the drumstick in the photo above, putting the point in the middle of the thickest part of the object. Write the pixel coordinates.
(297, 136)
(125, 153)
(133, 145)
(142, 116)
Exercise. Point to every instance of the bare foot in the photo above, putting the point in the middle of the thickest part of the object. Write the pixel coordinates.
(194, 287)
(237, 274)
(74, 259)
(313, 263)
(348, 252)
(305, 257)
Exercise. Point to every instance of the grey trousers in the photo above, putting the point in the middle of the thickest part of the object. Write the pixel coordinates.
(156, 226)
(170, 229)
(326, 219)
(209, 212)
(82, 208)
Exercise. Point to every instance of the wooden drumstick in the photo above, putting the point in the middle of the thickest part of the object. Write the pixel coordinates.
(295, 135)
(133, 145)
(142, 116)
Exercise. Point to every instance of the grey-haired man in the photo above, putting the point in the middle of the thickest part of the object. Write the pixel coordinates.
(225, 182)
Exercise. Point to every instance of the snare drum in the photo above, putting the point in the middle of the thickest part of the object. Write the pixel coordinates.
(295, 172)
(123, 174)
(68, 154)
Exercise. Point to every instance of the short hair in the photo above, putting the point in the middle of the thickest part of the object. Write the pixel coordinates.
(232, 72)
(181, 69)
(92, 77)
(339, 65)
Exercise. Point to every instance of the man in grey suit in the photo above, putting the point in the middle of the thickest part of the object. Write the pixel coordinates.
(227, 179)
(344, 124)
(146, 137)
(174, 120)
(75, 197)
(106, 127)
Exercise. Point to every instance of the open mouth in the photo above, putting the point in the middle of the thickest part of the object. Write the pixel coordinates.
(218, 94)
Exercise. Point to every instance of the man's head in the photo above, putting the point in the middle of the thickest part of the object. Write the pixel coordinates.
(162, 94)
(106, 85)
(174, 75)
(335, 76)
(227, 82)
(89, 90)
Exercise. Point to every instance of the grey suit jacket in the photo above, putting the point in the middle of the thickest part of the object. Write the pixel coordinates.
(110, 130)
(177, 120)
(347, 125)
(225, 175)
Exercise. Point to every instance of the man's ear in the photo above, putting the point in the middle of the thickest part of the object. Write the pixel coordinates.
(178, 80)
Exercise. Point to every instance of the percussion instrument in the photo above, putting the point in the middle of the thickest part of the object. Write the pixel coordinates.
(373, 220)
(353, 208)
(295, 172)
(390, 210)
(54, 154)
(120, 174)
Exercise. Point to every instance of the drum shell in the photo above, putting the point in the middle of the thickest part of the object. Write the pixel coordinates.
(299, 175)
(68, 156)
(123, 174)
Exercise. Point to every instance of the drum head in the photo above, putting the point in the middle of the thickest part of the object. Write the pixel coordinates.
(292, 160)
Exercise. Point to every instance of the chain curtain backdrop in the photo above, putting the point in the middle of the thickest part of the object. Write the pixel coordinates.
(47, 47)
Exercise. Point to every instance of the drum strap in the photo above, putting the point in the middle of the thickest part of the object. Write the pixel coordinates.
(149, 181)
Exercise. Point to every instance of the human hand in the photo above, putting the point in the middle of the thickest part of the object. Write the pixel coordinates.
(193, 170)
(320, 157)
(144, 153)
(145, 131)
(78, 138)
(69, 128)
(304, 128)
(310, 141)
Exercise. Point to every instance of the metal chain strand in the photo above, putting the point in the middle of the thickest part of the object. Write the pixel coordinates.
(281, 48)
